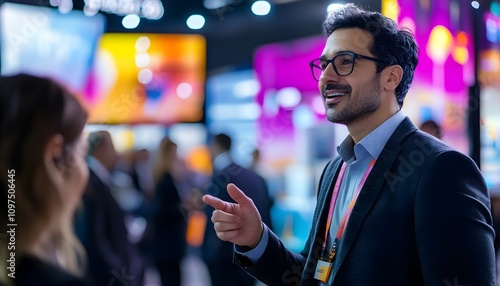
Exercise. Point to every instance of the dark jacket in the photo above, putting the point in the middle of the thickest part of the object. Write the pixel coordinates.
(254, 186)
(169, 222)
(111, 256)
(422, 218)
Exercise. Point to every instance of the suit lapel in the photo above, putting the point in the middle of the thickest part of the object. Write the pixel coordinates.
(372, 188)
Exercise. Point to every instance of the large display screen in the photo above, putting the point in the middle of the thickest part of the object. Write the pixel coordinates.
(440, 89)
(147, 78)
(42, 41)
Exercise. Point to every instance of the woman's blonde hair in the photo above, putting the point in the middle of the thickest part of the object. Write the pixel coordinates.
(32, 111)
(165, 159)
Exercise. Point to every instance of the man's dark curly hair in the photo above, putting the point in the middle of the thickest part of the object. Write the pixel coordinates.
(392, 45)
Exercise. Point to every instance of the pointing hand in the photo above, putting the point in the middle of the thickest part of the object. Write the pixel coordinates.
(240, 222)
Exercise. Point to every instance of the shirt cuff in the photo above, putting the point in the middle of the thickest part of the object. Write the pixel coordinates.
(255, 254)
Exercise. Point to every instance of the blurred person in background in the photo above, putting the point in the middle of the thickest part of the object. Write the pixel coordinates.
(167, 235)
(113, 258)
(269, 176)
(431, 127)
(217, 254)
(44, 173)
(397, 206)
(141, 172)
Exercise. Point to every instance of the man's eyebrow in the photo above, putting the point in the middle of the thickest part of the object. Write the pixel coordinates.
(337, 53)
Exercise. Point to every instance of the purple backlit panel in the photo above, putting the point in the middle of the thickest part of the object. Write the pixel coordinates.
(443, 30)
(285, 67)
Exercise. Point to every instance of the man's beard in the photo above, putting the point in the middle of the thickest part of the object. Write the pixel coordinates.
(366, 102)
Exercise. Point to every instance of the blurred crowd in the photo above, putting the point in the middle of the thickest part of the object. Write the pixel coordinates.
(88, 215)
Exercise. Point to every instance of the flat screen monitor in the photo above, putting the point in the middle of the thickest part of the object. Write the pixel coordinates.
(147, 78)
(42, 41)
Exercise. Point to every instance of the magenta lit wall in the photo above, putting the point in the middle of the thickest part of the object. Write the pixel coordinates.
(285, 67)
(443, 30)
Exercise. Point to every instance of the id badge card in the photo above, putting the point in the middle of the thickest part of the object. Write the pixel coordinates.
(322, 272)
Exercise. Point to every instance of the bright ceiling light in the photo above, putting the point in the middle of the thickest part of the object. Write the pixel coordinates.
(131, 21)
(334, 6)
(152, 9)
(215, 4)
(261, 8)
(195, 22)
(65, 6)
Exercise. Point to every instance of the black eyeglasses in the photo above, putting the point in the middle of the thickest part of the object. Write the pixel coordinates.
(343, 64)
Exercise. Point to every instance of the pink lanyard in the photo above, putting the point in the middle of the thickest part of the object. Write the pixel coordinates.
(347, 214)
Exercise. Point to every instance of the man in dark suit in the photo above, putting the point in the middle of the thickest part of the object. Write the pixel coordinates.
(217, 254)
(112, 258)
(398, 207)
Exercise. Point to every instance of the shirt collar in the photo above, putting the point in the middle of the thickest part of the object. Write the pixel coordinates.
(222, 161)
(373, 143)
(101, 172)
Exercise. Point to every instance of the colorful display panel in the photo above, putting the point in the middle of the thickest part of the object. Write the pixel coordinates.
(44, 42)
(147, 78)
(289, 98)
(443, 30)
(489, 77)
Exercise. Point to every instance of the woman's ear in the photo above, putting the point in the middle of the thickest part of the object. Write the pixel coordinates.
(54, 149)
(53, 157)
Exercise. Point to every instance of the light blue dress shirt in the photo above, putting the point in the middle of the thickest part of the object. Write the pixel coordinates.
(358, 157)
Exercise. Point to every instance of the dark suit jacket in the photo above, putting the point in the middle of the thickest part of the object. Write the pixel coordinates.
(105, 236)
(422, 218)
(215, 250)
(169, 222)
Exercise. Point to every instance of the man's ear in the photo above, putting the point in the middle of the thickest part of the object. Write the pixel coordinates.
(392, 77)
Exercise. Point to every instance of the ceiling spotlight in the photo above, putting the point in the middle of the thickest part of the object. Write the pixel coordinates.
(131, 21)
(214, 4)
(261, 8)
(334, 6)
(195, 22)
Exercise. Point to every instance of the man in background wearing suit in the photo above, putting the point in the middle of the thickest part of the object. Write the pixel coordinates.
(112, 259)
(217, 254)
(398, 206)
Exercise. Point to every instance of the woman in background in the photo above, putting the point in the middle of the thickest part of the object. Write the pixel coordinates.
(43, 174)
(168, 218)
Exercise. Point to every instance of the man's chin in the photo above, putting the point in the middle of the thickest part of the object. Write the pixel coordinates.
(334, 117)
(331, 116)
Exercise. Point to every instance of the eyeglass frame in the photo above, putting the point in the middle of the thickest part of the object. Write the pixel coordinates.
(331, 62)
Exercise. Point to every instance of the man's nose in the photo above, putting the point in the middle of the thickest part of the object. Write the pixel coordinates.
(329, 74)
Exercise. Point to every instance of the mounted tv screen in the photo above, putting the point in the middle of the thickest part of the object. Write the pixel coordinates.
(44, 42)
(147, 78)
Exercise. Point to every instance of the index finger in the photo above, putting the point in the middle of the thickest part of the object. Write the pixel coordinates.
(217, 203)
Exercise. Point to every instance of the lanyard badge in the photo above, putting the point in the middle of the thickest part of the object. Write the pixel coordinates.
(323, 269)
(324, 266)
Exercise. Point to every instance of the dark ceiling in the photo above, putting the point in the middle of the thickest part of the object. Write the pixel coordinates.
(233, 32)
